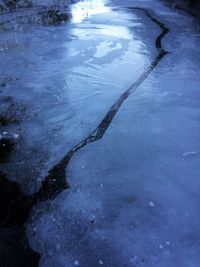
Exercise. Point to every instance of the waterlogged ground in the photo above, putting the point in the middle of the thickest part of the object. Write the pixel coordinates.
(133, 184)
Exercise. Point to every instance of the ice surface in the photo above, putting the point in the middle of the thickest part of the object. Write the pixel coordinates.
(134, 195)
(65, 83)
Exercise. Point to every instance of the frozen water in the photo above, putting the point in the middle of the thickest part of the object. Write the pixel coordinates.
(139, 159)
(65, 82)
(134, 195)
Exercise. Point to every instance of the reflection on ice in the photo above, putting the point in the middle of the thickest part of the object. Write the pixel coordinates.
(84, 9)
(105, 47)
(119, 31)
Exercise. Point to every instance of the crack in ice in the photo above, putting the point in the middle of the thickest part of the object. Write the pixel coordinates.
(56, 182)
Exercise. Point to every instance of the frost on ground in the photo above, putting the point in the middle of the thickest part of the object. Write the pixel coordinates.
(6, 5)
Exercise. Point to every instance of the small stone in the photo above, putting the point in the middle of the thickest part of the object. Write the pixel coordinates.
(151, 204)
(5, 133)
(101, 262)
(101, 185)
(15, 135)
(76, 263)
(160, 246)
(168, 243)
(92, 219)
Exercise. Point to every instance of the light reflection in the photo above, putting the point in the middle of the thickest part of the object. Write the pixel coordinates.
(106, 47)
(84, 9)
(114, 32)
(117, 31)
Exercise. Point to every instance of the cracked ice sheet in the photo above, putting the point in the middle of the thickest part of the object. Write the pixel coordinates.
(66, 83)
(134, 198)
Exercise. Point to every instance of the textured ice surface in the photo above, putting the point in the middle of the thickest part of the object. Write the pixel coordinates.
(134, 197)
(134, 194)
(66, 76)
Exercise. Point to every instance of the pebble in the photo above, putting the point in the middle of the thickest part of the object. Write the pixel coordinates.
(76, 263)
(151, 204)
(15, 135)
(168, 243)
(92, 218)
(160, 246)
(5, 133)
(101, 262)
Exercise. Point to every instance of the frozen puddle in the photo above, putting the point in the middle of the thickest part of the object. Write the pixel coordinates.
(134, 195)
(64, 79)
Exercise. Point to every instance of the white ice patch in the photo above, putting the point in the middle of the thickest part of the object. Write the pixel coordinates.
(64, 222)
(189, 154)
(151, 204)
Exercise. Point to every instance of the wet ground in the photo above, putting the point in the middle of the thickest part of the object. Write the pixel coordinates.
(99, 136)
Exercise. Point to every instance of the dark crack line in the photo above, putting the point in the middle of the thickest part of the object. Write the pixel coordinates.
(56, 182)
